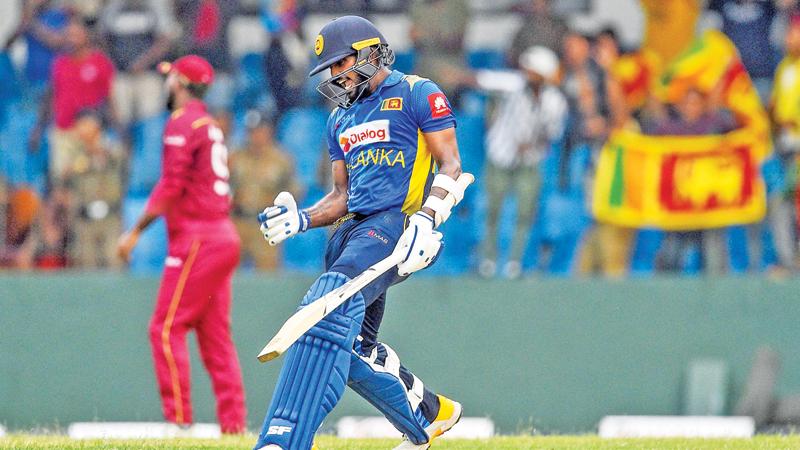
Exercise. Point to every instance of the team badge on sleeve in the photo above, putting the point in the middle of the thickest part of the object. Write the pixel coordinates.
(438, 104)
(392, 104)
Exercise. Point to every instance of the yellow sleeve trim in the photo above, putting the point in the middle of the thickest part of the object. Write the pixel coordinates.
(202, 121)
(177, 113)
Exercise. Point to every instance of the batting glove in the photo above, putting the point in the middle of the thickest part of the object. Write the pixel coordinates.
(283, 220)
(419, 244)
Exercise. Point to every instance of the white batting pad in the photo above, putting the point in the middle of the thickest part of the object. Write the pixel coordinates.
(354, 427)
(677, 426)
(141, 430)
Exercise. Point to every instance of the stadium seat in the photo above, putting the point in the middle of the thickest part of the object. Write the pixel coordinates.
(16, 162)
(486, 59)
(250, 84)
(396, 28)
(301, 131)
(246, 35)
(305, 253)
(491, 31)
(9, 88)
(145, 164)
(404, 61)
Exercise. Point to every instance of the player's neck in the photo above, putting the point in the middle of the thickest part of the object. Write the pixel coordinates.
(181, 100)
(378, 79)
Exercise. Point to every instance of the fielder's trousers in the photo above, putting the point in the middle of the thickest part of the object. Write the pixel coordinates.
(195, 293)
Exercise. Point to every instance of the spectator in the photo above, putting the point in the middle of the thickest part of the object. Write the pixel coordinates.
(437, 31)
(138, 35)
(205, 33)
(96, 185)
(784, 109)
(81, 80)
(259, 172)
(695, 116)
(286, 58)
(52, 233)
(583, 84)
(606, 247)
(528, 121)
(748, 24)
(42, 25)
(539, 27)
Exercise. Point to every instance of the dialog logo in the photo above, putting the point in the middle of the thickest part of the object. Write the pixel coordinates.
(366, 133)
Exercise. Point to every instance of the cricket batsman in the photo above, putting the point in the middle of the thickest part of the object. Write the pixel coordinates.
(386, 139)
(194, 196)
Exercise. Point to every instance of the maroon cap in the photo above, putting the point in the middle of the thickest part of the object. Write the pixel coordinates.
(193, 68)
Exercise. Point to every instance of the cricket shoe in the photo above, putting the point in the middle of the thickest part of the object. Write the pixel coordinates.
(449, 414)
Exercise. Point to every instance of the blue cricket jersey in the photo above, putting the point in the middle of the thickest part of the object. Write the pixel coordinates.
(380, 140)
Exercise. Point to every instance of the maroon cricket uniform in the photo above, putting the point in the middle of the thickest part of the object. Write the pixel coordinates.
(193, 195)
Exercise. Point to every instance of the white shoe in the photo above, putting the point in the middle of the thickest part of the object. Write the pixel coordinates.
(449, 414)
(512, 270)
(487, 268)
(277, 447)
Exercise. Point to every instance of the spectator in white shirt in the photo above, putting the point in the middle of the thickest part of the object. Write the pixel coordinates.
(529, 118)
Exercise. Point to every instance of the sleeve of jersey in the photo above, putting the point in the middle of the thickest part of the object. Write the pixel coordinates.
(175, 171)
(432, 108)
(334, 149)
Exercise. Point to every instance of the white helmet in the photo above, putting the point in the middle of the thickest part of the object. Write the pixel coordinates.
(541, 60)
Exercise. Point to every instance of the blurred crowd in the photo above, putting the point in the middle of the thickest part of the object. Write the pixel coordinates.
(541, 110)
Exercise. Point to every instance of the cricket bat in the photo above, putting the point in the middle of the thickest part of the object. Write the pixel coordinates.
(304, 319)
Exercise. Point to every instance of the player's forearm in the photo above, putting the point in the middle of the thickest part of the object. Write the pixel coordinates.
(144, 221)
(328, 210)
(451, 168)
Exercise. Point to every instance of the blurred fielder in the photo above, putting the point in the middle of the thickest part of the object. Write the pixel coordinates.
(386, 139)
(194, 196)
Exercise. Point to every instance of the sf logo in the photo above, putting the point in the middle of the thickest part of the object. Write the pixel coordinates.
(279, 430)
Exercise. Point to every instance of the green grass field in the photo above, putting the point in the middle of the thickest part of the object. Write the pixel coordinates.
(332, 443)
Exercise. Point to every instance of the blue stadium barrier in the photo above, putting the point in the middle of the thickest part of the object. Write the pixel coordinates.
(151, 250)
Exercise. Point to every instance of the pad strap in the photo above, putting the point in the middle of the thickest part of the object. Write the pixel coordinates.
(450, 185)
(381, 380)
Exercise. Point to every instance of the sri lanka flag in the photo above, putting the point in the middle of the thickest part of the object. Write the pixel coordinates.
(690, 182)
